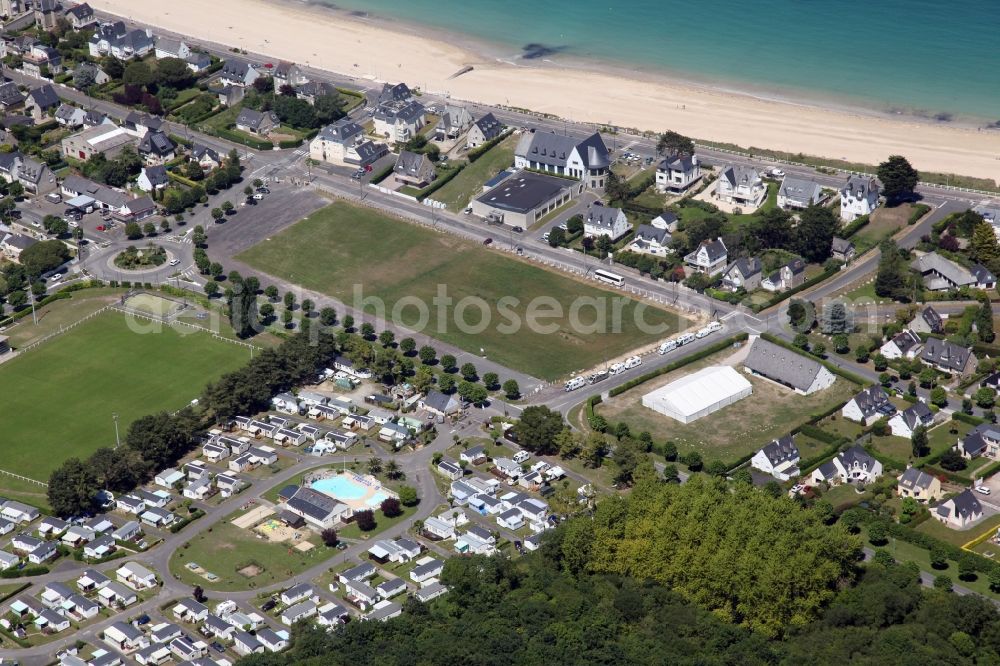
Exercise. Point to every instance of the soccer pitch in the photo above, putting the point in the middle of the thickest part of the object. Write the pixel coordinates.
(58, 399)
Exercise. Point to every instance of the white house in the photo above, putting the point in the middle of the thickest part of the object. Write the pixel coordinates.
(297, 593)
(300, 611)
(710, 257)
(511, 519)
(676, 173)
(741, 186)
(606, 221)
(960, 511)
(136, 576)
(780, 459)
(426, 569)
(168, 477)
(858, 196)
(868, 406)
(449, 470)
(651, 240)
(854, 465)
(905, 344)
(436, 527)
(588, 160)
(798, 193)
(125, 637)
(904, 422)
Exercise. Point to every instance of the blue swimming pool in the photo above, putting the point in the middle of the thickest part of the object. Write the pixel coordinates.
(346, 489)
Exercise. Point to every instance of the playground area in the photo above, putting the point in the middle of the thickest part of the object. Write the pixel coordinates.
(159, 307)
(358, 491)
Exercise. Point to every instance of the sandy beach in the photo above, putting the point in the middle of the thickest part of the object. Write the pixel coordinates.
(336, 42)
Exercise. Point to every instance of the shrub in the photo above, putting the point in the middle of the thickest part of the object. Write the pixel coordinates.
(365, 520)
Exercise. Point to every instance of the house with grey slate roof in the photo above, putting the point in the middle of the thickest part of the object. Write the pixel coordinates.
(741, 186)
(855, 465)
(588, 160)
(606, 221)
(651, 240)
(114, 38)
(868, 406)
(780, 459)
(440, 404)
(710, 257)
(960, 511)
(414, 169)
(256, 122)
(399, 121)
(453, 122)
(798, 193)
(905, 422)
(919, 485)
(948, 357)
(676, 173)
(858, 197)
(483, 130)
(744, 273)
(786, 367)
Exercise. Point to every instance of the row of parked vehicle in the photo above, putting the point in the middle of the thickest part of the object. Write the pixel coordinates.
(601, 375)
(687, 338)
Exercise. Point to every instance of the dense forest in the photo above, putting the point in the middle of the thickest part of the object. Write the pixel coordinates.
(645, 582)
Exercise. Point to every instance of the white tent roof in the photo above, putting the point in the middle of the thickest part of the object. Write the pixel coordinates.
(699, 391)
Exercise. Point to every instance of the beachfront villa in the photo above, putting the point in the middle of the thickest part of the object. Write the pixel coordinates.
(676, 173)
(587, 160)
(858, 196)
(741, 186)
(344, 143)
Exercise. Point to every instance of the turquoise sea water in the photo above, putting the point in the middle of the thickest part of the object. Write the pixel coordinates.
(914, 56)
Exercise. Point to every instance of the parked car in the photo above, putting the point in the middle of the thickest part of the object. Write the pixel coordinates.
(264, 190)
(518, 230)
(56, 277)
(983, 490)
(488, 241)
(250, 202)
(258, 196)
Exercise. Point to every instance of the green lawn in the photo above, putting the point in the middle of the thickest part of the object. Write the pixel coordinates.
(224, 549)
(344, 251)
(884, 222)
(59, 397)
(457, 193)
(904, 551)
(733, 431)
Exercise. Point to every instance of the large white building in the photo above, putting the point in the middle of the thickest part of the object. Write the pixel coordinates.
(694, 396)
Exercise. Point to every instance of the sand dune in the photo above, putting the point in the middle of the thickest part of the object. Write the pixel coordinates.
(335, 42)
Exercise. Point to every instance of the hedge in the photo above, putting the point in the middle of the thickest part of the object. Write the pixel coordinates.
(811, 431)
(849, 376)
(479, 151)
(854, 227)
(16, 591)
(177, 527)
(181, 141)
(244, 139)
(779, 297)
(290, 143)
(951, 476)
(180, 179)
(967, 418)
(670, 367)
(886, 461)
(439, 183)
(379, 176)
(919, 210)
(39, 570)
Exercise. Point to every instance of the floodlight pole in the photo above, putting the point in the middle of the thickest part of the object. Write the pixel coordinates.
(114, 415)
